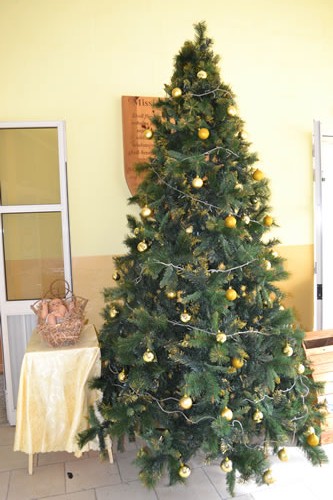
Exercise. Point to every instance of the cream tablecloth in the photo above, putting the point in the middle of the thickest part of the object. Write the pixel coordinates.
(54, 396)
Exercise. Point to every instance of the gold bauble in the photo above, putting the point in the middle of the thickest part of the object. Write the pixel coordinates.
(185, 317)
(184, 471)
(257, 416)
(312, 440)
(197, 182)
(203, 133)
(267, 265)
(116, 276)
(300, 369)
(148, 356)
(226, 465)
(267, 477)
(145, 211)
(221, 266)
(239, 186)
(113, 312)
(230, 221)
(189, 230)
(202, 74)
(148, 133)
(258, 175)
(142, 246)
(237, 362)
(268, 220)
(288, 350)
(121, 376)
(309, 430)
(171, 294)
(221, 337)
(227, 413)
(232, 111)
(246, 219)
(231, 294)
(282, 454)
(185, 402)
(176, 92)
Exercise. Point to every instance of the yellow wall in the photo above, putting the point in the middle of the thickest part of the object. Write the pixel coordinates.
(72, 60)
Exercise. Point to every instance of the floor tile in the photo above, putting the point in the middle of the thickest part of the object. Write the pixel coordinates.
(10, 459)
(46, 480)
(125, 491)
(287, 492)
(127, 469)
(90, 473)
(7, 434)
(79, 495)
(197, 487)
(57, 457)
(4, 484)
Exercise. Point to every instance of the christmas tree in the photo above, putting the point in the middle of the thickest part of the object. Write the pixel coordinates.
(198, 351)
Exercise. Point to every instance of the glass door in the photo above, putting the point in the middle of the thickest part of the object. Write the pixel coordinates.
(35, 246)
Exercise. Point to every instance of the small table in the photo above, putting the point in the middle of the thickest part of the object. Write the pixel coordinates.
(54, 396)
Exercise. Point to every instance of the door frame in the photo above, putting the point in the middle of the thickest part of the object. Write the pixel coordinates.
(23, 307)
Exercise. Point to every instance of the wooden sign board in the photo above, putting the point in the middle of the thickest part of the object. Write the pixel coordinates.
(136, 114)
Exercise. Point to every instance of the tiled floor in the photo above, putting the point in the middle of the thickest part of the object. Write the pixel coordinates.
(61, 476)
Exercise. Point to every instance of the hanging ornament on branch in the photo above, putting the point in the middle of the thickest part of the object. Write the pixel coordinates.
(203, 133)
(176, 92)
(202, 74)
(197, 182)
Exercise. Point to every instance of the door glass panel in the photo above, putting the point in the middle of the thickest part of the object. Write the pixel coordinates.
(29, 166)
(33, 253)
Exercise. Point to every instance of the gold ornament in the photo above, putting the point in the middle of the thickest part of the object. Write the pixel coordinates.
(185, 317)
(184, 471)
(258, 175)
(312, 440)
(300, 369)
(309, 430)
(197, 182)
(122, 376)
(176, 92)
(232, 111)
(202, 74)
(267, 265)
(148, 133)
(282, 454)
(227, 413)
(231, 294)
(145, 211)
(246, 219)
(288, 350)
(203, 133)
(226, 465)
(221, 337)
(267, 477)
(239, 186)
(268, 220)
(257, 416)
(185, 402)
(171, 294)
(113, 312)
(148, 356)
(189, 230)
(221, 266)
(237, 362)
(230, 221)
(244, 135)
(116, 276)
(142, 246)
(136, 231)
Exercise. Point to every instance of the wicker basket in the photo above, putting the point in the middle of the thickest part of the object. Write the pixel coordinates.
(68, 332)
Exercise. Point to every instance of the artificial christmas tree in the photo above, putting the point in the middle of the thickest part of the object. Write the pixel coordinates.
(198, 351)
